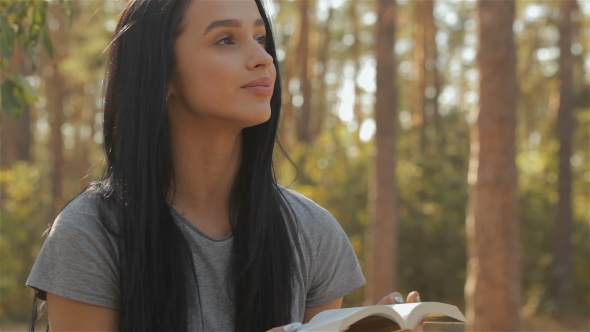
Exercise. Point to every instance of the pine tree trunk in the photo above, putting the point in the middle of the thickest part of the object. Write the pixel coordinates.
(55, 91)
(8, 137)
(382, 242)
(287, 128)
(419, 81)
(323, 56)
(304, 128)
(562, 267)
(24, 136)
(355, 58)
(493, 287)
(80, 160)
(15, 134)
(424, 106)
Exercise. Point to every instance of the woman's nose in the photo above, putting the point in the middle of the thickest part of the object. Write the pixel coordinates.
(260, 57)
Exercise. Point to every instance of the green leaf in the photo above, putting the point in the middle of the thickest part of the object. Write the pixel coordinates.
(12, 101)
(3, 63)
(67, 5)
(29, 94)
(30, 51)
(37, 21)
(7, 37)
(47, 42)
(18, 8)
(5, 48)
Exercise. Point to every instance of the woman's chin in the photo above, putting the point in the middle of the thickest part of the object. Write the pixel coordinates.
(256, 118)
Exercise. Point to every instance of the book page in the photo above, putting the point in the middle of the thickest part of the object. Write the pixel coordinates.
(379, 318)
(335, 314)
(325, 317)
(435, 312)
(404, 309)
(374, 323)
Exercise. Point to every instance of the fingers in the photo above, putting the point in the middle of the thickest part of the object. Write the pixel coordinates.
(413, 297)
(393, 298)
(397, 297)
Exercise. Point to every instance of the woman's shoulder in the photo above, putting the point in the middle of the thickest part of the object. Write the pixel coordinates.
(303, 205)
(83, 213)
(310, 216)
(78, 259)
(86, 200)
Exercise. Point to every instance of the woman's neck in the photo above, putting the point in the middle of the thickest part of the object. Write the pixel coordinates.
(206, 157)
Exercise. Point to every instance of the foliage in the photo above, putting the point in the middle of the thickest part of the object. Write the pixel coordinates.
(24, 207)
(22, 25)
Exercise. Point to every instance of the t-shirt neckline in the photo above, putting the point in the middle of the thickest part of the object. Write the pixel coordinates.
(192, 226)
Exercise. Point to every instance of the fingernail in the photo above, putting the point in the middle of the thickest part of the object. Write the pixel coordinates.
(291, 327)
(398, 299)
(417, 298)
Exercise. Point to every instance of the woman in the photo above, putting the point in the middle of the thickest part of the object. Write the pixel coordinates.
(188, 230)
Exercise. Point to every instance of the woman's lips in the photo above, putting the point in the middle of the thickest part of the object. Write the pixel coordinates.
(260, 90)
(260, 86)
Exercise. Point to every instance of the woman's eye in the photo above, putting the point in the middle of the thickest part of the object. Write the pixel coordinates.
(226, 38)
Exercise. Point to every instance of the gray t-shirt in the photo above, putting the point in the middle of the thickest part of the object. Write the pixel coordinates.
(78, 260)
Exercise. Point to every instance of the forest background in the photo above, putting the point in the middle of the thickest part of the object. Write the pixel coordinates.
(329, 57)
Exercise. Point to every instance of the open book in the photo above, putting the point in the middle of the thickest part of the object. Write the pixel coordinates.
(384, 318)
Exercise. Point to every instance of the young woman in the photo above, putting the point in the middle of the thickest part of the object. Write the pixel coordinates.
(188, 229)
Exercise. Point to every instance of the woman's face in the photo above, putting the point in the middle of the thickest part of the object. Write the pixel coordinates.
(221, 50)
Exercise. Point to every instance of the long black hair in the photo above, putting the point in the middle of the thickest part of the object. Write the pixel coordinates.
(157, 271)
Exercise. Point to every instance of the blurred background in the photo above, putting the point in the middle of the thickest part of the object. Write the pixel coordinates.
(53, 57)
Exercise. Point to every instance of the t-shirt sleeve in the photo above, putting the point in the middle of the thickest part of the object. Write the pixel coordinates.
(334, 268)
(78, 259)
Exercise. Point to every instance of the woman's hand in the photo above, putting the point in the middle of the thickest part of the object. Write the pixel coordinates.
(397, 298)
(393, 298)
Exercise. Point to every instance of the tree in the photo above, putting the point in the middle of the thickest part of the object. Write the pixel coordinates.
(562, 267)
(382, 243)
(304, 123)
(323, 55)
(16, 135)
(355, 58)
(22, 25)
(55, 104)
(426, 85)
(492, 224)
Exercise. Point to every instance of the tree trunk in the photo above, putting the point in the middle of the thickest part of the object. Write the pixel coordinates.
(8, 137)
(24, 135)
(16, 133)
(355, 57)
(304, 128)
(323, 56)
(494, 276)
(287, 129)
(562, 267)
(425, 89)
(80, 160)
(55, 88)
(382, 251)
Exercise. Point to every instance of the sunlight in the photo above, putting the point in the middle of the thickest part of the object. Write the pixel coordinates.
(346, 105)
(367, 130)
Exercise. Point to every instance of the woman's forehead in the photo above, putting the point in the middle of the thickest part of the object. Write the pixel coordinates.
(208, 10)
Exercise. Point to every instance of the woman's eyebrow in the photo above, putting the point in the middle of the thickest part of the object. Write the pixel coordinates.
(230, 23)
